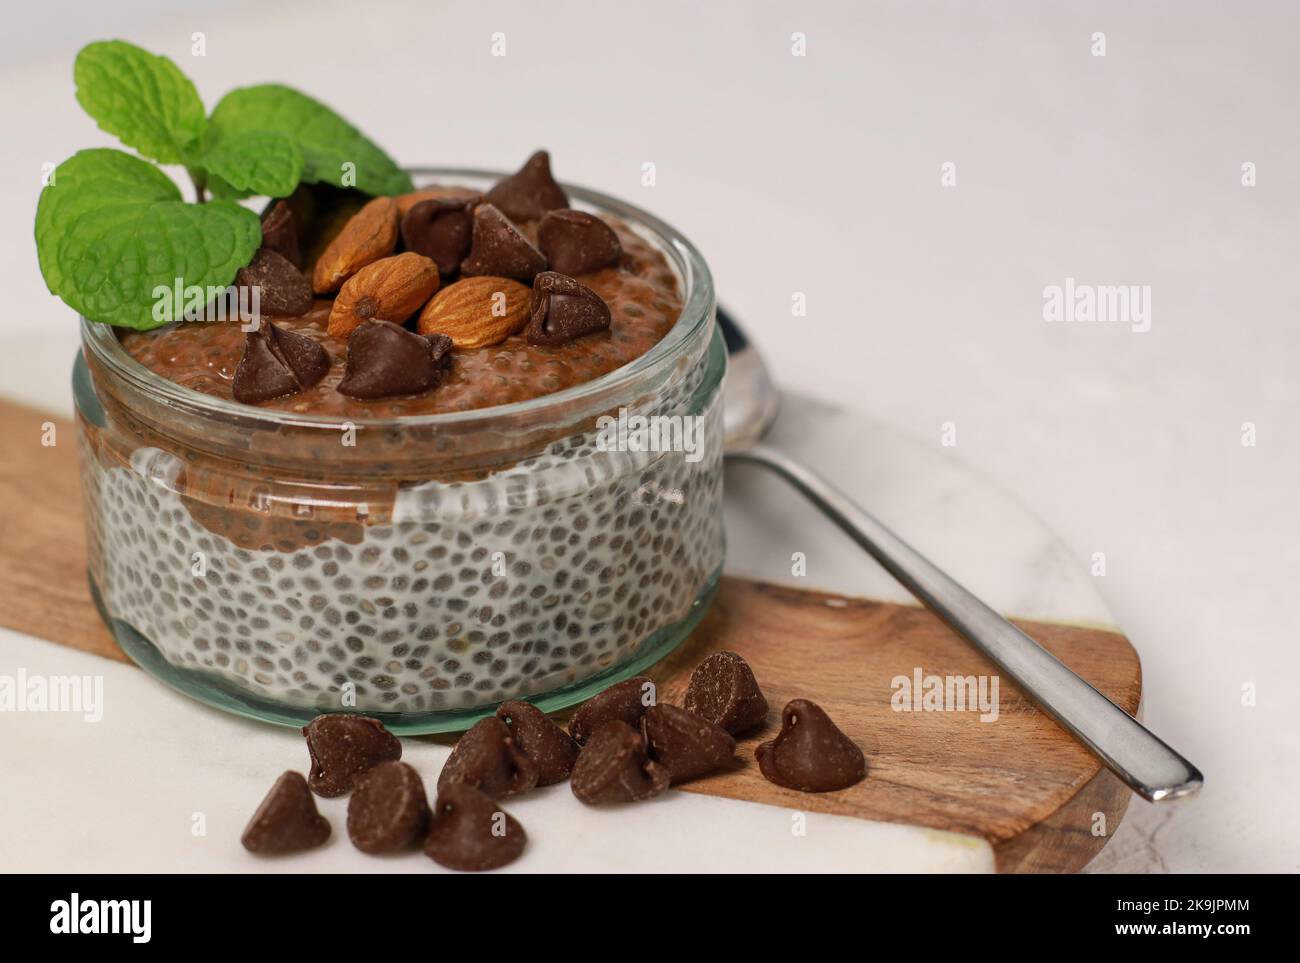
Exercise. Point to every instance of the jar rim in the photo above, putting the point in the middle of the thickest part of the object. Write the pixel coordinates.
(696, 314)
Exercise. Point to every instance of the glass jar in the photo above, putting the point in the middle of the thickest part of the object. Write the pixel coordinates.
(418, 569)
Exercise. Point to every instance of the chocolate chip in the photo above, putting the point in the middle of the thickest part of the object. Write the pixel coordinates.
(384, 359)
(499, 250)
(488, 758)
(564, 309)
(277, 362)
(287, 821)
(576, 242)
(388, 809)
(282, 290)
(625, 701)
(684, 744)
(343, 746)
(723, 690)
(529, 193)
(613, 767)
(280, 234)
(551, 749)
(440, 228)
(468, 832)
(810, 753)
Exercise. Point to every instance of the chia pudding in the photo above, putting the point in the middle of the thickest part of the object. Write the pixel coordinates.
(418, 556)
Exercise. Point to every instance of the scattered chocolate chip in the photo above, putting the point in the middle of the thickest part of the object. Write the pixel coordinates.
(723, 690)
(384, 359)
(499, 250)
(470, 833)
(287, 821)
(440, 228)
(529, 193)
(625, 701)
(564, 309)
(488, 758)
(343, 746)
(613, 767)
(684, 744)
(280, 234)
(551, 749)
(388, 809)
(576, 242)
(277, 362)
(810, 753)
(282, 290)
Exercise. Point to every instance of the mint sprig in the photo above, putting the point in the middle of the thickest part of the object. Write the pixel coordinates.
(332, 149)
(252, 162)
(259, 140)
(142, 99)
(111, 228)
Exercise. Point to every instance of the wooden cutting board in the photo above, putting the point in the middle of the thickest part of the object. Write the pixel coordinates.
(1020, 782)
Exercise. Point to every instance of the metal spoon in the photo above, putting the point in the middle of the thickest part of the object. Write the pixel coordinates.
(1132, 752)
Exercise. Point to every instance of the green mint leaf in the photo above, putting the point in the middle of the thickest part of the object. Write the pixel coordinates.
(94, 178)
(252, 162)
(111, 229)
(327, 141)
(142, 99)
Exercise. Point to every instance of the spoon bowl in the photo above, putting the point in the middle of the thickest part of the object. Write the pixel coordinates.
(750, 399)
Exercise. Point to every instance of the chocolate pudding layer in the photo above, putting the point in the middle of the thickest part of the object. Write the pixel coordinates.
(643, 299)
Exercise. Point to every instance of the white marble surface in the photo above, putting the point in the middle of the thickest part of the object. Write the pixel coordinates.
(821, 175)
(163, 784)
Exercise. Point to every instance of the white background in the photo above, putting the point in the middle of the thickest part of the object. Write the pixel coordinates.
(821, 175)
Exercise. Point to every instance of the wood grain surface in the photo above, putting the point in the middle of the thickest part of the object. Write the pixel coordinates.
(43, 587)
(1020, 782)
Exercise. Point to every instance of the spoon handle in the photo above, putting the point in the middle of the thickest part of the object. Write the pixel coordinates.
(1129, 749)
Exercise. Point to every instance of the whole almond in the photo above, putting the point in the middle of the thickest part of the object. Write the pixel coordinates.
(369, 234)
(477, 312)
(391, 289)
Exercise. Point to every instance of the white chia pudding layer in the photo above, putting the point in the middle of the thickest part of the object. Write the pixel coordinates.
(526, 581)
